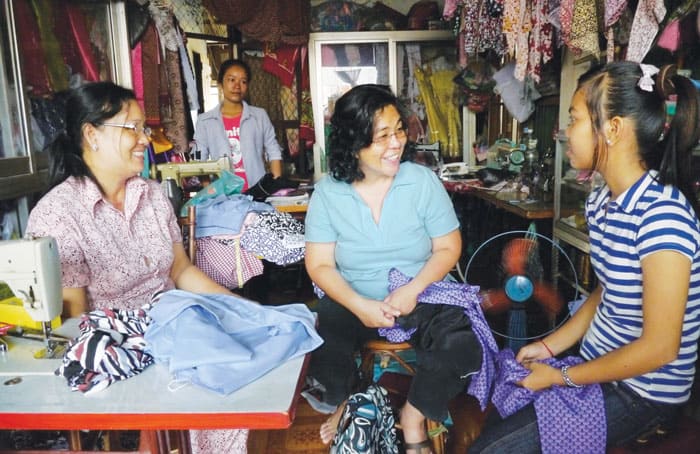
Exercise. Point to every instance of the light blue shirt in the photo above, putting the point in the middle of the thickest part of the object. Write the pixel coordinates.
(416, 209)
(258, 139)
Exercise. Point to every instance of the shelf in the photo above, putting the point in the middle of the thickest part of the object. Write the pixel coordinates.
(571, 235)
(577, 186)
(581, 290)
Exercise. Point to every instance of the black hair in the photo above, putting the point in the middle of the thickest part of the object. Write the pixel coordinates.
(665, 141)
(352, 128)
(91, 103)
(228, 64)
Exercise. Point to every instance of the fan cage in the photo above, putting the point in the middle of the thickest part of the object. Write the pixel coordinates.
(526, 234)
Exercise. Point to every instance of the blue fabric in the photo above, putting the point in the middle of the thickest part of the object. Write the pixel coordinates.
(223, 342)
(257, 139)
(224, 214)
(416, 209)
(646, 218)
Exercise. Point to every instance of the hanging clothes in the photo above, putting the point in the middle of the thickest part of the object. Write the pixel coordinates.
(71, 31)
(647, 17)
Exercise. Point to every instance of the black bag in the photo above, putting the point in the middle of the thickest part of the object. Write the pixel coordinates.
(268, 185)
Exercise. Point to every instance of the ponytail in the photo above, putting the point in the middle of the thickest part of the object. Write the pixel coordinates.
(681, 131)
(65, 160)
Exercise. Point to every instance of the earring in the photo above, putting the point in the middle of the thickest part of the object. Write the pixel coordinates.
(94, 147)
(608, 141)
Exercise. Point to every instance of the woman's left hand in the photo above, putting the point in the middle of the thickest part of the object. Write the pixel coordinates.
(542, 376)
(403, 298)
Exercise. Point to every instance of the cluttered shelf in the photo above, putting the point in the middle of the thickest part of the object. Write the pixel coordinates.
(517, 203)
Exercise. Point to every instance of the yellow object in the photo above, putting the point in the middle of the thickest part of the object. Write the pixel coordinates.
(439, 95)
(12, 312)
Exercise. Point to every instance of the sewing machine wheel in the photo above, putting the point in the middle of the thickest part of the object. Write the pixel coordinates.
(520, 301)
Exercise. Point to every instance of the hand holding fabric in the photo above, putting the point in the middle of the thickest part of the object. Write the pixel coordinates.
(542, 376)
(532, 352)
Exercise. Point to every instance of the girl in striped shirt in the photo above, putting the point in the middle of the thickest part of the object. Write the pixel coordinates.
(638, 330)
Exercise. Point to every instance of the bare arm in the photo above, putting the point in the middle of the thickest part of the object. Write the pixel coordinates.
(320, 264)
(567, 335)
(188, 277)
(446, 250)
(74, 302)
(276, 168)
(666, 281)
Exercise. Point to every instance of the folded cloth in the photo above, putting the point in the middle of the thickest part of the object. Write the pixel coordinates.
(223, 342)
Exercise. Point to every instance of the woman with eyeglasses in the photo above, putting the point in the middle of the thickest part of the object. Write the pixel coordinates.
(118, 239)
(235, 128)
(376, 211)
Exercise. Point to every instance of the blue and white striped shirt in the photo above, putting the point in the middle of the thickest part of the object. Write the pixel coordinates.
(647, 218)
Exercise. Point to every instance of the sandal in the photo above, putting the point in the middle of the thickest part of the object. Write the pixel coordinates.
(418, 447)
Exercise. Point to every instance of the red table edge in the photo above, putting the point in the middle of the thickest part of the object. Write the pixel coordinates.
(157, 421)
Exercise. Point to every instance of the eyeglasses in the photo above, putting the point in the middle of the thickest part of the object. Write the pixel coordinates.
(132, 127)
(385, 136)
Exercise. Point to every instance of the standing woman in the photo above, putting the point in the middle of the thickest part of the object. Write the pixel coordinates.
(235, 128)
(373, 212)
(638, 330)
(118, 239)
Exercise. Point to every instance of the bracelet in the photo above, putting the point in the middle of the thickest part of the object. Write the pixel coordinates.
(551, 354)
(569, 382)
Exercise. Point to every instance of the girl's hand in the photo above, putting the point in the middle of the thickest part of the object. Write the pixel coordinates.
(542, 376)
(532, 352)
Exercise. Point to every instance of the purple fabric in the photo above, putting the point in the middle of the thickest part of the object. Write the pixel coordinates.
(467, 297)
(566, 416)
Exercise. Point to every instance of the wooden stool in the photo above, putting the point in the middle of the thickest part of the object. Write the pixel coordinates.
(386, 351)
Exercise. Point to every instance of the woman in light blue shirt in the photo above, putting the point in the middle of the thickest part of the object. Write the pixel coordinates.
(374, 212)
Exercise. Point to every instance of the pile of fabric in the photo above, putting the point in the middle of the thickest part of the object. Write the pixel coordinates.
(234, 234)
(218, 342)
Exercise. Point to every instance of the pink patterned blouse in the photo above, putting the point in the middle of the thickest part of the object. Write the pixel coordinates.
(121, 258)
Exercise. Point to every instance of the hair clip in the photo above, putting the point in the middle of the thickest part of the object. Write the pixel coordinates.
(670, 104)
(646, 82)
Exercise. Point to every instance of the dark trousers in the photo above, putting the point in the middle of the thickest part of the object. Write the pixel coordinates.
(446, 353)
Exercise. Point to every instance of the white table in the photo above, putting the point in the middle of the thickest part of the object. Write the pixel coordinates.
(42, 400)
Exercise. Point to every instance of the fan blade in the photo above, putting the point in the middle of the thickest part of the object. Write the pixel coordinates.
(547, 296)
(515, 255)
(495, 301)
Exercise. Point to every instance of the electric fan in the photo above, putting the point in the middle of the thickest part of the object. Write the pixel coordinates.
(519, 301)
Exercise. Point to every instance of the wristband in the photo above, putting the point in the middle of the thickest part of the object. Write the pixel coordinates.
(551, 354)
(569, 382)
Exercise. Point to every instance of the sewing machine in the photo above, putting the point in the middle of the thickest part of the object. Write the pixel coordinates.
(32, 270)
(179, 170)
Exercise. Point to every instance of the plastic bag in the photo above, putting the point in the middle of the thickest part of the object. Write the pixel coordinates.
(227, 184)
(518, 96)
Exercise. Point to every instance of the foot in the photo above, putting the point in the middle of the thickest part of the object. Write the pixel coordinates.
(330, 427)
(413, 427)
(422, 447)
